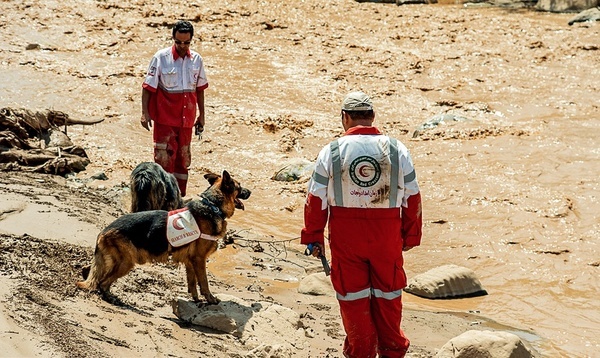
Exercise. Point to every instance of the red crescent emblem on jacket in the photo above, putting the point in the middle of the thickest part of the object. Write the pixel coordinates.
(176, 223)
(361, 171)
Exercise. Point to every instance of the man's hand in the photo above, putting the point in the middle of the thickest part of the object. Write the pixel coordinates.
(199, 130)
(199, 125)
(315, 249)
(146, 122)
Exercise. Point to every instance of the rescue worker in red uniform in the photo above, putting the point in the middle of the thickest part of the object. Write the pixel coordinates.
(174, 86)
(365, 186)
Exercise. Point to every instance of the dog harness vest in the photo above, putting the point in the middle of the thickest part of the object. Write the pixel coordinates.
(174, 81)
(182, 228)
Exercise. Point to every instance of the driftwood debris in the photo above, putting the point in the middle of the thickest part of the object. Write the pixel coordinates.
(33, 141)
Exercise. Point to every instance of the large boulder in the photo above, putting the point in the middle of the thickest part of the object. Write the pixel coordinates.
(566, 5)
(316, 284)
(437, 120)
(265, 328)
(401, 2)
(448, 281)
(478, 344)
(592, 14)
(298, 169)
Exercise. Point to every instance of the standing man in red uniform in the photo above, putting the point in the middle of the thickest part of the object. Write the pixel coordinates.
(365, 185)
(174, 86)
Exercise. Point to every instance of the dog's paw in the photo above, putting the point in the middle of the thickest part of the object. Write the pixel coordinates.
(211, 299)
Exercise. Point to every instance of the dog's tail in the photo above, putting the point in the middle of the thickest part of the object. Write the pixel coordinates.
(93, 273)
(147, 193)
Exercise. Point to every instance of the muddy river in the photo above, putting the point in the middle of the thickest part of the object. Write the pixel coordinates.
(511, 192)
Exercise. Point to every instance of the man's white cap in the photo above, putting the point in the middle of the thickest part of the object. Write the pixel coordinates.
(357, 101)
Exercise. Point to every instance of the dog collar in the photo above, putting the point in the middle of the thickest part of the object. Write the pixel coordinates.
(215, 209)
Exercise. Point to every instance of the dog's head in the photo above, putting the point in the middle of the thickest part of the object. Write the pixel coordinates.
(232, 191)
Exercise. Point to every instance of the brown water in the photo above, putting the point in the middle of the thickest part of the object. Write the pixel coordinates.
(512, 194)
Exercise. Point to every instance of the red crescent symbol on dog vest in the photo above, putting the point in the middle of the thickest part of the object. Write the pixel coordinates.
(176, 223)
(361, 171)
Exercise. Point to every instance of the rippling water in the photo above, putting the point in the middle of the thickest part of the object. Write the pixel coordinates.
(511, 194)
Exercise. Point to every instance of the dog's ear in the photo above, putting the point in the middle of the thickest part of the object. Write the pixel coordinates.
(227, 184)
(211, 177)
(226, 176)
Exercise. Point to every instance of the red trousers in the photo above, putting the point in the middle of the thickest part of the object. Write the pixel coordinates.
(368, 277)
(172, 152)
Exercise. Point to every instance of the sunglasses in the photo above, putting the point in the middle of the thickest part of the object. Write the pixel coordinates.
(183, 42)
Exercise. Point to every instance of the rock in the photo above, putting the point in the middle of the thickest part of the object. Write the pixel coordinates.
(401, 2)
(377, 1)
(316, 284)
(56, 138)
(212, 316)
(592, 14)
(513, 4)
(566, 5)
(408, 2)
(436, 120)
(477, 344)
(449, 281)
(270, 351)
(295, 170)
(267, 329)
(99, 176)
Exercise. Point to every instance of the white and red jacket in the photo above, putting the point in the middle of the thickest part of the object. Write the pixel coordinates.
(175, 81)
(365, 186)
(363, 170)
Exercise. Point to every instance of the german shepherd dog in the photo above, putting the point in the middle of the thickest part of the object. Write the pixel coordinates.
(138, 238)
(152, 188)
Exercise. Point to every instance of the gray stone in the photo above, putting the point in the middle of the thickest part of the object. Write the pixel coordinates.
(437, 120)
(56, 138)
(316, 284)
(448, 281)
(271, 351)
(265, 328)
(295, 170)
(99, 176)
(478, 344)
(566, 5)
(592, 14)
